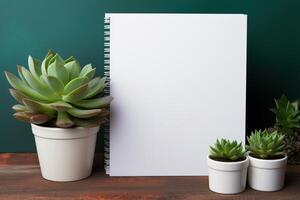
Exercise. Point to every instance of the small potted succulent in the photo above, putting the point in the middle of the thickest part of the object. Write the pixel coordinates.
(287, 122)
(227, 167)
(267, 160)
(65, 106)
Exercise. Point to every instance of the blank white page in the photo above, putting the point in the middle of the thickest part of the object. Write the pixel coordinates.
(179, 83)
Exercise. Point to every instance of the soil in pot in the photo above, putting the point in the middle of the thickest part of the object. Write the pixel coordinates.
(226, 160)
(269, 158)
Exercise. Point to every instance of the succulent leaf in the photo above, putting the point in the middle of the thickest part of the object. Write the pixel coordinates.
(53, 83)
(50, 53)
(75, 112)
(39, 118)
(63, 120)
(22, 116)
(94, 103)
(74, 84)
(45, 64)
(85, 70)
(18, 96)
(73, 67)
(37, 107)
(76, 94)
(90, 74)
(60, 106)
(71, 58)
(104, 112)
(19, 108)
(34, 67)
(20, 72)
(57, 70)
(95, 87)
(88, 71)
(38, 86)
(20, 86)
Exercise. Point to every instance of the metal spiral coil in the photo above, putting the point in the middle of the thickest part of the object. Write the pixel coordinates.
(107, 88)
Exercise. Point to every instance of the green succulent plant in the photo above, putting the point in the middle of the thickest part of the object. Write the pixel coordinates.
(263, 144)
(288, 122)
(227, 150)
(57, 92)
(287, 115)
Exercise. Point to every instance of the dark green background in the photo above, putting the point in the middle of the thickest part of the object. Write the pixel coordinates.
(76, 28)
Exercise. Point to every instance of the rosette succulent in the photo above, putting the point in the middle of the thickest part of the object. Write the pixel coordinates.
(226, 150)
(288, 122)
(263, 144)
(57, 92)
(287, 115)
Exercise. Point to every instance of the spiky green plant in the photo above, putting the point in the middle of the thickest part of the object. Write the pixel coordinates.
(57, 92)
(287, 115)
(288, 122)
(263, 144)
(227, 150)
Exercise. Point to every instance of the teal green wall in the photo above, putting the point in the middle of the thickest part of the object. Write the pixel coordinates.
(73, 27)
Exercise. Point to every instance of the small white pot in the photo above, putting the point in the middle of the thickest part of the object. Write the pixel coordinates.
(266, 175)
(65, 154)
(227, 177)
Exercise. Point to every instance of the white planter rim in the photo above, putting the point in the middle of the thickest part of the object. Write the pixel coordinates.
(267, 163)
(228, 166)
(63, 133)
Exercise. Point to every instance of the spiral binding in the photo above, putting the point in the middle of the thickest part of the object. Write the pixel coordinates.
(107, 88)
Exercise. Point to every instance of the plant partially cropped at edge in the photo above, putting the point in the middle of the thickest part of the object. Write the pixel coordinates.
(226, 150)
(287, 115)
(265, 145)
(288, 122)
(57, 92)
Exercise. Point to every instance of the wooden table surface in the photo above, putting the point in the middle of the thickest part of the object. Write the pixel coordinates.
(20, 178)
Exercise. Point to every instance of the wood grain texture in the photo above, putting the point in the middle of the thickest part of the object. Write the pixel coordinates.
(20, 178)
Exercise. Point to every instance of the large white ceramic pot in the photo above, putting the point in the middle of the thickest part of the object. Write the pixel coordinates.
(65, 154)
(266, 175)
(227, 177)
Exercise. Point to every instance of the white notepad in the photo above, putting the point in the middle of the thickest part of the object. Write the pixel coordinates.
(179, 83)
